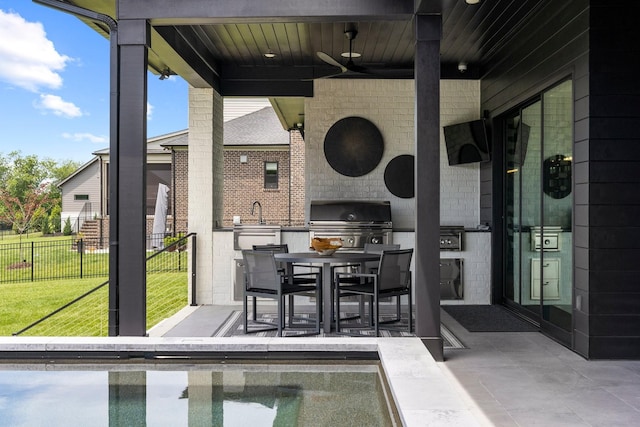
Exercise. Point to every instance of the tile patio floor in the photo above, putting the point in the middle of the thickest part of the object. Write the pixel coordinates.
(501, 378)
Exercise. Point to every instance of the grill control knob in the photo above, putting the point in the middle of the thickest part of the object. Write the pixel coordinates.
(351, 241)
(375, 240)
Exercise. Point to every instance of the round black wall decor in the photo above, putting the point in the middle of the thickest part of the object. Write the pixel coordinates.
(399, 176)
(353, 146)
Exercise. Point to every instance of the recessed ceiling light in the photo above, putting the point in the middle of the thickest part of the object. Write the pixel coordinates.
(351, 54)
(270, 54)
(472, 1)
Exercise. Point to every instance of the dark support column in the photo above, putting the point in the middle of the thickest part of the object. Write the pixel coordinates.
(128, 182)
(427, 173)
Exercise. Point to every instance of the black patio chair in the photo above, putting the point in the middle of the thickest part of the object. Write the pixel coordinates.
(366, 267)
(264, 280)
(392, 279)
(290, 269)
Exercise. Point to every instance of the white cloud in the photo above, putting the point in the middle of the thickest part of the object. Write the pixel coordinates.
(58, 106)
(29, 60)
(85, 136)
(149, 111)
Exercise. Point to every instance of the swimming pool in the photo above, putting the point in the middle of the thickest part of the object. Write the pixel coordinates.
(273, 393)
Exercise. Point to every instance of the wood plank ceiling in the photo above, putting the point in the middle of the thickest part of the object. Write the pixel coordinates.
(231, 55)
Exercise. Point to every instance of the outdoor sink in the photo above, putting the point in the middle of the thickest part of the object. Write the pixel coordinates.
(247, 235)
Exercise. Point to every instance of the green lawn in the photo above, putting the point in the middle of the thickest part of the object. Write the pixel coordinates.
(51, 261)
(25, 302)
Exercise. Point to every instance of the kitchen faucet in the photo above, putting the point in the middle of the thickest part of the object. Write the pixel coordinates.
(260, 220)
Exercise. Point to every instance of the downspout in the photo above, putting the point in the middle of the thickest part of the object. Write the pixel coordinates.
(290, 176)
(114, 85)
(173, 190)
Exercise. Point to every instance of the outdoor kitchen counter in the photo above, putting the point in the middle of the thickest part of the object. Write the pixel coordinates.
(476, 254)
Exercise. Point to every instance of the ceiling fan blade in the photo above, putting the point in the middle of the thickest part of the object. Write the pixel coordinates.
(356, 68)
(329, 60)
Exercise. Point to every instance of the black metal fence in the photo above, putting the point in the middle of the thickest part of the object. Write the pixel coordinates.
(72, 258)
(87, 314)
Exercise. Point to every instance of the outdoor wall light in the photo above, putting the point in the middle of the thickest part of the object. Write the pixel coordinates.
(462, 67)
(165, 74)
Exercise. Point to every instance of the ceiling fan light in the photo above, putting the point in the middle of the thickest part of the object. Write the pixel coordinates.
(351, 55)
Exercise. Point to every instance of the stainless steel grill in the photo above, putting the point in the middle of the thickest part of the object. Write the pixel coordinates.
(356, 222)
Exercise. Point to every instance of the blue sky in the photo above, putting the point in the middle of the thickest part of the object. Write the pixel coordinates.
(54, 86)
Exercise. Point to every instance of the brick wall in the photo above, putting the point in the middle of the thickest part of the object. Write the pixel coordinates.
(244, 184)
(205, 142)
(297, 147)
(181, 189)
(390, 106)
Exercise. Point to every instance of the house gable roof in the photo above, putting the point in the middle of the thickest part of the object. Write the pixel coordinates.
(77, 171)
(259, 128)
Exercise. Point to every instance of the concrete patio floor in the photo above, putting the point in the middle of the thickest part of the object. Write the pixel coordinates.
(500, 378)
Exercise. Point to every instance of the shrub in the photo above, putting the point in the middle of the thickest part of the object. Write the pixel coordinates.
(44, 225)
(170, 240)
(67, 231)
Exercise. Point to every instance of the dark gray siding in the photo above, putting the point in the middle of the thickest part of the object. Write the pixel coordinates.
(610, 223)
(595, 42)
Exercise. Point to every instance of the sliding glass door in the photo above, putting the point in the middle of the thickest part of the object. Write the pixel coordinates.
(537, 227)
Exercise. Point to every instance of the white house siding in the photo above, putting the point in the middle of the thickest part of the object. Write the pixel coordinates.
(86, 181)
(238, 107)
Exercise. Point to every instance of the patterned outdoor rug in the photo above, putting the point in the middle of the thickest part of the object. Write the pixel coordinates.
(488, 318)
(233, 327)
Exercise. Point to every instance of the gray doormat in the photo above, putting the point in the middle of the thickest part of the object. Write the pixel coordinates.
(488, 318)
(233, 327)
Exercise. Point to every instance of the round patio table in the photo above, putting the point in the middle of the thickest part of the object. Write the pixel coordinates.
(337, 258)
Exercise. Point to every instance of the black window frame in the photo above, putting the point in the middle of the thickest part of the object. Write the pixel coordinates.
(271, 179)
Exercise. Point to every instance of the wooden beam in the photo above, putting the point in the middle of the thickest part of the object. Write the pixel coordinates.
(170, 12)
(193, 62)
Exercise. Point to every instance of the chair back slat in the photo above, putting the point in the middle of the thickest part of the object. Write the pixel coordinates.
(277, 249)
(393, 270)
(261, 271)
(377, 248)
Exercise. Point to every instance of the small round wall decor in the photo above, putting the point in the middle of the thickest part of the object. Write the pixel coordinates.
(556, 176)
(399, 176)
(353, 146)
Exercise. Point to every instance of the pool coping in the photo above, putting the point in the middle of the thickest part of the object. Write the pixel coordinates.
(424, 393)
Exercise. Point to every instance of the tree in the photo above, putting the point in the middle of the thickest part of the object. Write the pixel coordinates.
(26, 180)
(22, 212)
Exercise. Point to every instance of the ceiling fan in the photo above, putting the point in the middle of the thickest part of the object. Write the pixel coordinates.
(350, 68)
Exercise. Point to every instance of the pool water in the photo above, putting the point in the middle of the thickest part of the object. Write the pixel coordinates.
(294, 393)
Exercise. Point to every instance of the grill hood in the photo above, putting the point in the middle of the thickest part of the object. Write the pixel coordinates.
(355, 211)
